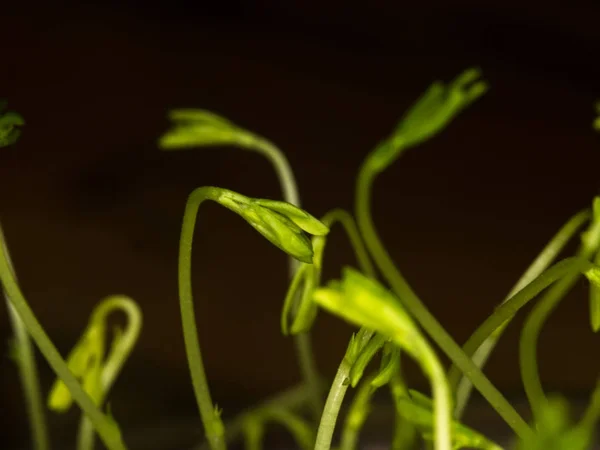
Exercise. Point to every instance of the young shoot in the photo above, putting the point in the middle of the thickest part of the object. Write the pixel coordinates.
(428, 117)
(364, 302)
(106, 427)
(21, 349)
(281, 223)
(90, 364)
(360, 407)
(254, 427)
(308, 276)
(200, 128)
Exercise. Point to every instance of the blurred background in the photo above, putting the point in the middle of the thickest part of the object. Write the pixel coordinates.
(91, 207)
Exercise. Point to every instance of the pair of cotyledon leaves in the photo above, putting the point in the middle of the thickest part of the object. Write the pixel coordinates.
(282, 223)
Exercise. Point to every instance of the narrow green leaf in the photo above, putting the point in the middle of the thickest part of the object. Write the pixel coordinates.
(364, 358)
(390, 363)
(292, 293)
(300, 217)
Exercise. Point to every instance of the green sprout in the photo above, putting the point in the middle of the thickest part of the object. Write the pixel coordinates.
(281, 223)
(428, 117)
(308, 277)
(364, 302)
(360, 407)
(22, 350)
(88, 360)
(105, 426)
(200, 128)
(394, 322)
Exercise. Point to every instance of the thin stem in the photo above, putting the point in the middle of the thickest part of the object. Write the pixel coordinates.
(528, 342)
(302, 341)
(118, 355)
(211, 421)
(504, 313)
(333, 405)
(106, 428)
(419, 311)
(357, 414)
(592, 412)
(535, 321)
(404, 431)
(291, 399)
(25, 360)
(464, 387)
(360, 251)
(302, 433)
(442, 398)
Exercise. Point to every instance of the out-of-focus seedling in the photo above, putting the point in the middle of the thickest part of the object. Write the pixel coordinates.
(21, 349)
(10, 123)
(90, 363)
(416, 409)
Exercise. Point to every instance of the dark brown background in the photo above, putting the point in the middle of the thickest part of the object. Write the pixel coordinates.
(91, 207)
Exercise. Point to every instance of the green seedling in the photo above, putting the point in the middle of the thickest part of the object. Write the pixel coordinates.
(283, 224)
(394, 322)
(308, 277)
(200, 128)
(89, 361)
(364, 302)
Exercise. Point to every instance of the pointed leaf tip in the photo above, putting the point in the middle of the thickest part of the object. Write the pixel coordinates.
(301, 218)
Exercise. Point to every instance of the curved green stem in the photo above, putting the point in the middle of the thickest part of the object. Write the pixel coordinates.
(203, 128)
(106, 428)
(340, 383)
(211, 420)
(529, 337)
(462, 386)
(538, 316)
(360, 251)
(442, 397)
(302, 433)
(291, 399)
(283, 225)
(419, 311)
(404, 431)
(562, 270)
(332, 406)
(25, 360)
(118, 355)
(302, 341)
